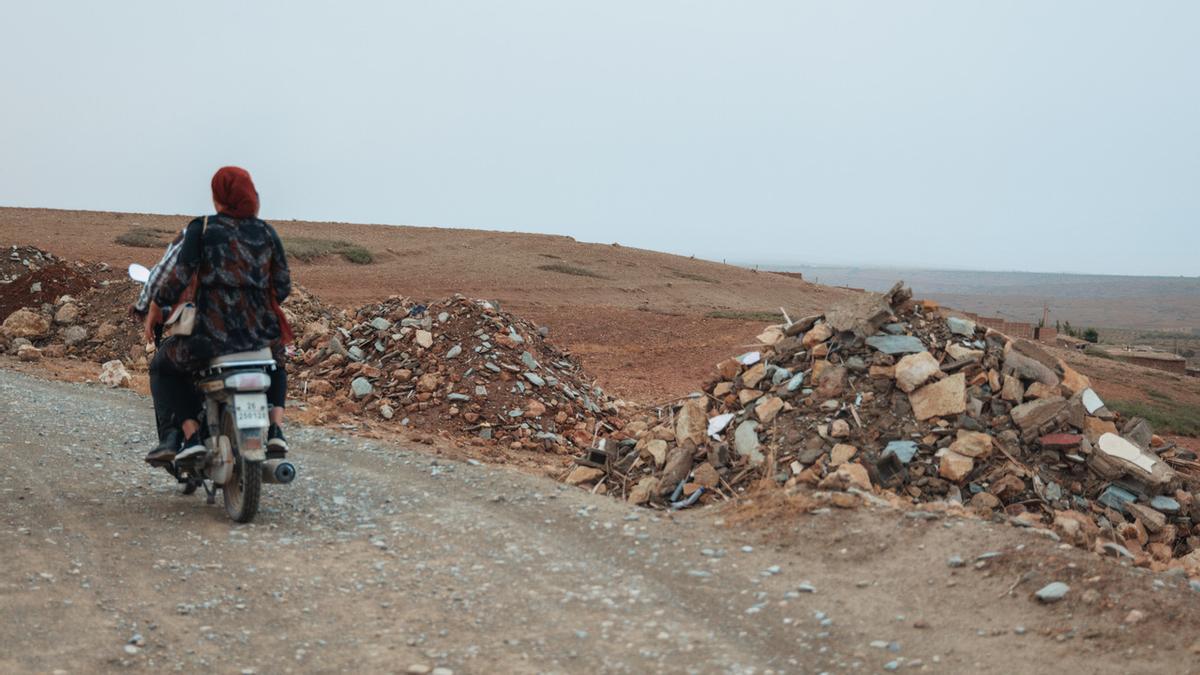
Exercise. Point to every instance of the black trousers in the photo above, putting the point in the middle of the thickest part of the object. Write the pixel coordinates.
(173, 384)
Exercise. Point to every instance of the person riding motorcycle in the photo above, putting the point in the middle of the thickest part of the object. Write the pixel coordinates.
(234, 268)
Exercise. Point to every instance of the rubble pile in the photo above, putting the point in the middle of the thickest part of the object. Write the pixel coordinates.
(16, 261)
(888, 398)
(57, 308)
(460, 364)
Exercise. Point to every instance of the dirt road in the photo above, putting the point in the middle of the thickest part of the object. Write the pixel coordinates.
(380, 558)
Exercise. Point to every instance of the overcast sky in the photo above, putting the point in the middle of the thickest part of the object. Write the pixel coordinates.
(1014, 135)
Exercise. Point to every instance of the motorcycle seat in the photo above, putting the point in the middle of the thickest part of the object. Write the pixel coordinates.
(256, 358)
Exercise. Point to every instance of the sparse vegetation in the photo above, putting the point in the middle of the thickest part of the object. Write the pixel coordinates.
(1166, 416)
(144, 237)
(740, 315)
(1098, 353)
(308, 249)
(563, 268)
(1091, 335)
(694, 277)
(550, 256)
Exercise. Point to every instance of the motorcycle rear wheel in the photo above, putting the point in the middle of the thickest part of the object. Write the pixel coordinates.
(241, 492)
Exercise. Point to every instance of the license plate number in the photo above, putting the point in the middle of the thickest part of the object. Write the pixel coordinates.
(251, 411)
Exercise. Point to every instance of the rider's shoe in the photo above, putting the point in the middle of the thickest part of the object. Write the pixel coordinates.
(167, 448)
(276, 443)
(191, 447)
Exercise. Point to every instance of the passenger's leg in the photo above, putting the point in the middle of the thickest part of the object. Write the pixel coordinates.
(277, 398)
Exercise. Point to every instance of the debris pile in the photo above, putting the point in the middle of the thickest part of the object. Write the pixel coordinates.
(888, 398)
(459, 364)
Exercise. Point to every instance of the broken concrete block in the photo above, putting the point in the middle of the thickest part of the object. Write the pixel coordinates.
(955, 467)
(947, 397)
(973, 444)
(914, 370)
(896, 344)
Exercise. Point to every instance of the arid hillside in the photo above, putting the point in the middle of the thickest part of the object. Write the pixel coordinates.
(649, 324)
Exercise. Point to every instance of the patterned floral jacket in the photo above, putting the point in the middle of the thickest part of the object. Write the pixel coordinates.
(240, 263)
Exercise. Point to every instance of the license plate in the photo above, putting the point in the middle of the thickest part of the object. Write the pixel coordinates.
(251, 411)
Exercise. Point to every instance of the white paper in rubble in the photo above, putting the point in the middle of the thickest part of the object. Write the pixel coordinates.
(717, 424)
(1119, 448)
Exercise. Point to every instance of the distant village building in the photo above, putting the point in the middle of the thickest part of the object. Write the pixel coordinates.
(1172, 363)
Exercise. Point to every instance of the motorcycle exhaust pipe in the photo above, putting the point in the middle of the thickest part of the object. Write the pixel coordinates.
(278, 471)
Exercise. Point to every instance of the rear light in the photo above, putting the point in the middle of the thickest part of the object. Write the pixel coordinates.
(248, 381)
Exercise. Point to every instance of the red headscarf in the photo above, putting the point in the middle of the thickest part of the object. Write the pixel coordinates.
(232, 187)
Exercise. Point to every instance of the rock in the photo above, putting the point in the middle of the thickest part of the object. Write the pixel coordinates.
(1052, 592)
(29, 353)
(676, 470)
(1138, 432)
(1012, 391)
(529, 362)
(832, 382)
(691, 423)
(1164, 504)
(754, 375)
(1031, 416)
(380, 323)
(961, 353)
(745, 442)
(428, 382)
(841, 454)
(67, 315)
(424, 339)
(361, 387)
(1026, 368)
(54, 351)
(657, 449)
(985, 501)
(581, 475)
(960, 326)
(839, 429)
(107, 331)
(645, 489)
(534, 408)
(1134, 616)
(955, 467)
(386, 411)
(1116, 498)
(896, 344)
(705, 475)
(1094, 428)
(74, 335)
(947, 397)
(1043, 390)
(745, 396)
(1152, 520)
(768, 408)
(722, 389)
(816, 335)
(454, 352)
(855, 475)
(1135, 461)
(26, 324)
(113, 374)
(844, 500)
(973, 444)
(1073, 382)
(535, 379)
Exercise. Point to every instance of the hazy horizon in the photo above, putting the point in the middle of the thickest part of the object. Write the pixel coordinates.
(1051, 138)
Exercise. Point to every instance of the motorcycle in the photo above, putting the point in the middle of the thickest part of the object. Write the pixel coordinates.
(236, 460)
